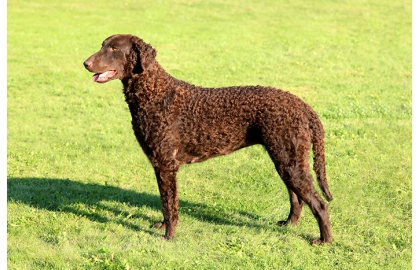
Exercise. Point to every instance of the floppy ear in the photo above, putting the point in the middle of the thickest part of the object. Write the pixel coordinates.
(142, 54)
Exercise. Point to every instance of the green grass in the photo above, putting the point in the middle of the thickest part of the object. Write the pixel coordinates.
(82, 195)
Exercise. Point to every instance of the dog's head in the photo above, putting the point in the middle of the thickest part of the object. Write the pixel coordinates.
(120, 57)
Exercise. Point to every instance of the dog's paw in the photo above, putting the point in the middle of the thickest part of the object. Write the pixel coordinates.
(159, 225)
(167, 238)
(319, 242)
(282, 223)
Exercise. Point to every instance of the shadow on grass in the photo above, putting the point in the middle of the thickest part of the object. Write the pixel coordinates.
(82, 199)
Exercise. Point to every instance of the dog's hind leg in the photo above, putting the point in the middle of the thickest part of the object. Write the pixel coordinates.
(290, 158)
(301, 184)
(281, 157)
(296, 205)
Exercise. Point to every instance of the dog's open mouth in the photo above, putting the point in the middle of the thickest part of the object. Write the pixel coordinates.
(103, 77)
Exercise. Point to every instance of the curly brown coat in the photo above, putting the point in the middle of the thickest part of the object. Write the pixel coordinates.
(177, 123)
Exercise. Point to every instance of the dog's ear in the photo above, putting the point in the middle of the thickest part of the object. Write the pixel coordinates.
(142, 54)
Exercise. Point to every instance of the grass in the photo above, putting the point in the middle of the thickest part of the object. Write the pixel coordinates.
(82, 195)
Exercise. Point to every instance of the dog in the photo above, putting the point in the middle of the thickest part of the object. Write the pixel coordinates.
(177, 123)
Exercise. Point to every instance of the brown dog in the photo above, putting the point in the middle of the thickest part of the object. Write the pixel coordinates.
(177, 123)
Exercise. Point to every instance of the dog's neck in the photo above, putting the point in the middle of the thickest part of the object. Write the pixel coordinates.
(148, 85)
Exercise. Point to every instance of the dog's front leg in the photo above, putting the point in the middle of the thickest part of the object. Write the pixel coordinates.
(169, 199)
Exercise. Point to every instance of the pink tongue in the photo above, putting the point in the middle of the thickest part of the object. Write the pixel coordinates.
(100, 77)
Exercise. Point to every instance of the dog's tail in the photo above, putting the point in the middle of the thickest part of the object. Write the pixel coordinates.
(319, 156)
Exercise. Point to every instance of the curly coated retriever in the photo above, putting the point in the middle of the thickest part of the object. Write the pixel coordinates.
(177, 123)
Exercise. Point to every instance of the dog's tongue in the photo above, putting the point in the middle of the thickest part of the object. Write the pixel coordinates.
(100, 77)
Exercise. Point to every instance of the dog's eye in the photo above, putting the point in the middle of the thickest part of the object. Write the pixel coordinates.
(114, 49)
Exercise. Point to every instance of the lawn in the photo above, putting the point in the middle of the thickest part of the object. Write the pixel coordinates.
(82, 195)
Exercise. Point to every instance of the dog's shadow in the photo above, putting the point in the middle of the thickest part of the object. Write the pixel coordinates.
(63, 195)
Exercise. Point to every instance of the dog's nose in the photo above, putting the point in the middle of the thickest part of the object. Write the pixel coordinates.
(87, 64)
